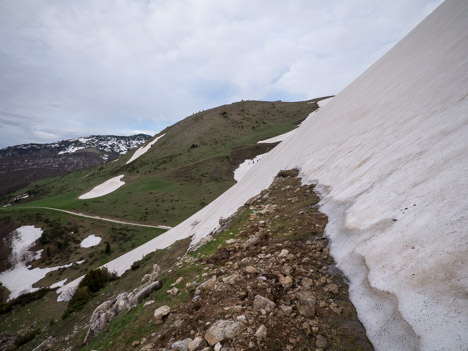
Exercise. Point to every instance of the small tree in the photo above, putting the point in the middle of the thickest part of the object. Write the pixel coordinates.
(107, 251)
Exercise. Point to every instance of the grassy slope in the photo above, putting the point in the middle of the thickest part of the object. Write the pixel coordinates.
(185, 170)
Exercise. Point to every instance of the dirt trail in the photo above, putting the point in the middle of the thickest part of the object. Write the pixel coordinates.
(104, 219)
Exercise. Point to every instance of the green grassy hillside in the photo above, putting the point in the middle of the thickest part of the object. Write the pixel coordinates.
(185, 170)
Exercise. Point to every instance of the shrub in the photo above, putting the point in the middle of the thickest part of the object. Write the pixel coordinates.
(92, 282)
(22, 339)
(23, 300)
(107, 251)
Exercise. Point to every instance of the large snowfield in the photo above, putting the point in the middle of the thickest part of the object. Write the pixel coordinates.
(389, 155)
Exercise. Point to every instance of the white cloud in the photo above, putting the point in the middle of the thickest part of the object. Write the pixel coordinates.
(117, 66)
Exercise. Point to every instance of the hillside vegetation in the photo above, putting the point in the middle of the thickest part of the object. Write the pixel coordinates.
(185, 170)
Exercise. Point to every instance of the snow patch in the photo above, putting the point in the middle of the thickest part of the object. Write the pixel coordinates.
(90, 241)
(244, 167)
(58, 284)
(105, 188)
(144, 149)
(71, 149)
(19, 279)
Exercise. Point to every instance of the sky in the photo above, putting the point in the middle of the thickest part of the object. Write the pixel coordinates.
(77, 68)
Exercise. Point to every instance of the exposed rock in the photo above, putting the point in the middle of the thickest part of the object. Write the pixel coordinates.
(285, 281)
(149, 302)
(161, 312)
(178, 281)
(307, 302)
(218, 347)
(149, 347)
(307, 282)
(173, 291)
(283, 253)
(196, 344)
(335, 308)
(99, 319)
(145, 290)
(261, 332)
(208, 284)
(181, 345)
(250, 269)
(261, 302)
(321, 341)
(333, 288)
(121, 303)
(135, 343)
(47, 344)
(222, 330)
(287, 310)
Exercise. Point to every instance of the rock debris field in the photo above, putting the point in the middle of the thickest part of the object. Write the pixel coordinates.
(269, 284)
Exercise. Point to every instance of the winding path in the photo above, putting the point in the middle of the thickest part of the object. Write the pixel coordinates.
(104, 219)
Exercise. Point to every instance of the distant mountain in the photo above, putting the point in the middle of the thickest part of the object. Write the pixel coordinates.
(22, 164)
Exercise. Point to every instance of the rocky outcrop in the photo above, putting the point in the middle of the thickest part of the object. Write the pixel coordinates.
(108, 310)
(222, 330)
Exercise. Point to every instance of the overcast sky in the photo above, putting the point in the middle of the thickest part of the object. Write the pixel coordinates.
(76, 68)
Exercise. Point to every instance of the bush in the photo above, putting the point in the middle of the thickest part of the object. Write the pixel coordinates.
(26, 337)
(23, 300)
(92, 282)
(107, 251)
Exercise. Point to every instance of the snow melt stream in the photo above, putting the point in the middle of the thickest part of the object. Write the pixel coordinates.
(390, 157)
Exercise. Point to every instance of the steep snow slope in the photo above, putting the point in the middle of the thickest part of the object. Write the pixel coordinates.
(390, 155)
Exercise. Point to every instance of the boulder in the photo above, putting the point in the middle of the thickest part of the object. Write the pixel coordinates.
(196, 344)
(222, 330)
(306, 303)
(261, 332)
(161, 312)
(285, 281)
(173, 291)
(181, 345)
(144, 291)
(261, 302)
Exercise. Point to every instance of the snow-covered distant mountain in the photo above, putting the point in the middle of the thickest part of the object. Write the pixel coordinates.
(22, 164)
(105, 143)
